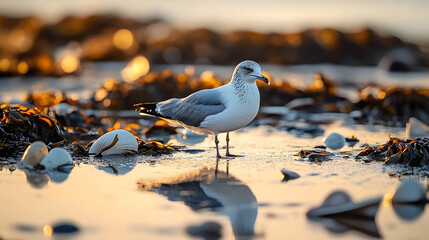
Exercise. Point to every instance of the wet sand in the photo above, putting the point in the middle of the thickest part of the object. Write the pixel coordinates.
(104, 205)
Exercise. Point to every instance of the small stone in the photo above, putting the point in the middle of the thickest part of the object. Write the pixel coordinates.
(289, 175)
(61, 228)
(207, 230)
(334, 141)
(12, 168)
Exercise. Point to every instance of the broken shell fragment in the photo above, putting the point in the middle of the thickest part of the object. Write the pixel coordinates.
(115, 142)
(56, 159)
(34, 154)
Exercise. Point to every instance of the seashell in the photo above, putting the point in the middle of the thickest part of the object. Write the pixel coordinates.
(289, 175)
(339, 203)
(57, 157)
(410, 191)
(118, 141)
(34, 154)
(416, 128)
(334, 141)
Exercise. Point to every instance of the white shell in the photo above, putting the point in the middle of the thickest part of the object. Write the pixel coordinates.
(416, 128)
(339, 203)
(289, 175)
(334, 141)
(56, 157)
(127, 143)
(34, 154)
(410, 191)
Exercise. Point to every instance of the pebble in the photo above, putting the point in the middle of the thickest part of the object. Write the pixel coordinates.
(61, 228)
(57, 157)
(289, 175)
(207, 230)
(334, 141)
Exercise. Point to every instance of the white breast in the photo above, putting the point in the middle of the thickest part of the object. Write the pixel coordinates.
(240, 110)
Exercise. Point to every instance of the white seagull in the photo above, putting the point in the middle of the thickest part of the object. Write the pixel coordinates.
(213, 111)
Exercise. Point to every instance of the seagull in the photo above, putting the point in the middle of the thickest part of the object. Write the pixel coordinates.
(212, 190)
(214, 111)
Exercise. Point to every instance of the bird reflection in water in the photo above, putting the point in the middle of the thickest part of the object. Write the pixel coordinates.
(208, 188)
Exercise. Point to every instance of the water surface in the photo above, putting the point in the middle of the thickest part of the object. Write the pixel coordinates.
(106, 200)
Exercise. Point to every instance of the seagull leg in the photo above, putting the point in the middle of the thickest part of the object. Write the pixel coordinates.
(217, 147)
(227, 147)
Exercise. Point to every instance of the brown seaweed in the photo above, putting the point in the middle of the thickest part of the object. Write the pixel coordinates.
(407, 152)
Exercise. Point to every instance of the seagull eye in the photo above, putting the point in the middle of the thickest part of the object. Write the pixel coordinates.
(248, 70)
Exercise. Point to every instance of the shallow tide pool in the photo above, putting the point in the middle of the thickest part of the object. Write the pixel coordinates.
(141, 197)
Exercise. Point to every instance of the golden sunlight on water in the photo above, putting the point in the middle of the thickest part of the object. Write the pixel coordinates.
(105, 205)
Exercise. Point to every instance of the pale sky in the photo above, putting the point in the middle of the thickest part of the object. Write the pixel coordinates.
(408, 19)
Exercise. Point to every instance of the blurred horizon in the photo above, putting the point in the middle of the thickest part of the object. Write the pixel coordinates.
(405, 19)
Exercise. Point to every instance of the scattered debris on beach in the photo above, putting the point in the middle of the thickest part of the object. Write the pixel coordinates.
(408, 152)
(315, 155)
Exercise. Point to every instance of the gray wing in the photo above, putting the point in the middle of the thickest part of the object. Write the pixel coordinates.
(193, 109)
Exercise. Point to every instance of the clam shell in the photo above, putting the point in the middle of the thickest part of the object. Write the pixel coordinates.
(57, 157)
(340, 203)
(334, 141)
(34, 154)
(410, 191)
(126, 143)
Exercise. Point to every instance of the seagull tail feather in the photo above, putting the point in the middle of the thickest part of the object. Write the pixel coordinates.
(148, 109)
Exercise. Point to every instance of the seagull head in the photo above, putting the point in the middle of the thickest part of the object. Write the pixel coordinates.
(249, 71)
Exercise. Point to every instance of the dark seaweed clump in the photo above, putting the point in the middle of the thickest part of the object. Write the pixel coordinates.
(379, 105)
(396, 151)
(33, 47)
(72, 127)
